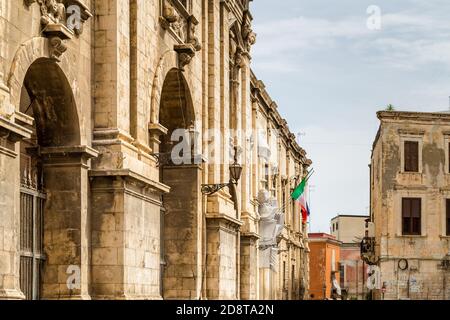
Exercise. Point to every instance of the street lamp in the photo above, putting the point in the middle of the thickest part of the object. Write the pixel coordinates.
(235, 175)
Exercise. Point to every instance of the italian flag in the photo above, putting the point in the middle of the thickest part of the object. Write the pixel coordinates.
(299, 196)
(300, 190)
(303, 204)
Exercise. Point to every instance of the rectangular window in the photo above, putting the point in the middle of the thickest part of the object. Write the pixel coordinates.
(411, 216)
(447, 218)
(411, 156)
(449, 157)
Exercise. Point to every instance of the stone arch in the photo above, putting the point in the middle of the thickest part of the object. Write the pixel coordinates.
(181, 266)
(176, 107)
(37, 50)
(167, 63)
(55, 168)
(51, 102)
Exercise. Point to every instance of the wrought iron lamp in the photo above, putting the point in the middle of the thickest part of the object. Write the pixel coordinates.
(165, 158)
(235, 176)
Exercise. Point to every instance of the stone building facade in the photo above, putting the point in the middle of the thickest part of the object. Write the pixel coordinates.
(96, 201)
(410, 172)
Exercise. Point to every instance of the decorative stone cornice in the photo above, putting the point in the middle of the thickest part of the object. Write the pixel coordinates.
(12, 131)
(224, 222)
(413, 116)
(411, 132)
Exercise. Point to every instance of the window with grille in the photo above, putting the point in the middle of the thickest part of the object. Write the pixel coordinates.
(411, 156)
(32, 201)
(411, 216)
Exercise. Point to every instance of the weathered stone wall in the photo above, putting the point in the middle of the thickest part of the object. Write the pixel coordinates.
(426, 251)
(21, 45)
(107, 186)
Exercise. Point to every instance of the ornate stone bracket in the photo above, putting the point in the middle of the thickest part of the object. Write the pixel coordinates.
(60, 20)
(186, 53)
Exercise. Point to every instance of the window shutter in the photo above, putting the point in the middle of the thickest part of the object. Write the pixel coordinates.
(411, 156)
(415, 156)
(416, 216)
(406, 209)
(449, 157)
(407, 156)
(411, 216)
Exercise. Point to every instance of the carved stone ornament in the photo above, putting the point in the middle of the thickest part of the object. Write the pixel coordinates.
(248, 35)
(182, 25)
(60, 20)
(185, 54)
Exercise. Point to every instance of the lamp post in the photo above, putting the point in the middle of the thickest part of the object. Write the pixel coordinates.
(235, 175)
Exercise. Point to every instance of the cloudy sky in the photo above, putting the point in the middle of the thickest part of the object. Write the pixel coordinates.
(329, 73)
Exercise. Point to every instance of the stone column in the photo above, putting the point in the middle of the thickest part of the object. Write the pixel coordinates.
(66, 222)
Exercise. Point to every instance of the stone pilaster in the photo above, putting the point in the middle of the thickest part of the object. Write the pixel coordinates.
(249, 275)
(183, 223)
(125, 235)
(222, 262)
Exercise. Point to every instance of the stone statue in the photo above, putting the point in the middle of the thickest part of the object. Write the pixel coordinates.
(53, 12)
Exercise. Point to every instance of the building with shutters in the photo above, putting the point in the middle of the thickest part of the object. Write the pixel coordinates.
(350, 230)
(324, 263)
(410, 204)
(122, 127)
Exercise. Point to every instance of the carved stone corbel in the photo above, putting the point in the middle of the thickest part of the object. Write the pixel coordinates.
(185, 54)
(56, 34)
(77, 14)
(57, 48)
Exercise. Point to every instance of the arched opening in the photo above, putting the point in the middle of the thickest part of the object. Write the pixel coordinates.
(180, 268)
(47, 98)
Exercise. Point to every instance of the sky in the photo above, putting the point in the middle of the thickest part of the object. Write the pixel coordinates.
(331, 65)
